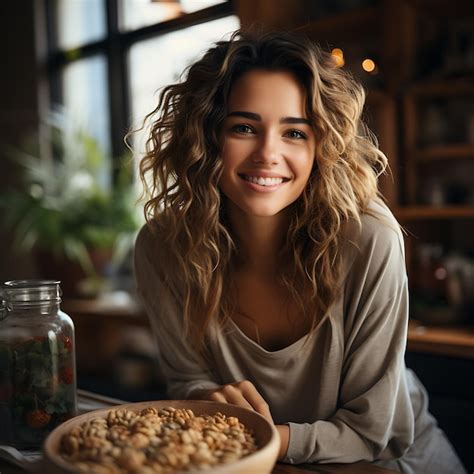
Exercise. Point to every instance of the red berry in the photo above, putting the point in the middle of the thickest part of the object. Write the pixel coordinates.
(67, 342)
(67, 375)
(37, 418)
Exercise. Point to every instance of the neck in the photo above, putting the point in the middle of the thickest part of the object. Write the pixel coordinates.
(260, 240)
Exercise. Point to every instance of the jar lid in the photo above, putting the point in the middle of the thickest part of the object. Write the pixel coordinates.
(29, 291)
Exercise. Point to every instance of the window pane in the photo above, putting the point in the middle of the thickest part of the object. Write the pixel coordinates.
(85, 97)
(139, 13)
(160, 61)
(79, 22)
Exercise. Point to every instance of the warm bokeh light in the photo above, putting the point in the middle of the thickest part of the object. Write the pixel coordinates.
(338, 57)
(368, 65)
(441, 273)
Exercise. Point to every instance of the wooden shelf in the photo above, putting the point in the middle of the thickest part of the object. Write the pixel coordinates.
(445, 152)
(444, 340)
(449, 87)
(434, 212)
(441, 8)
(119, 308)
(106, 319)
(360, 22)
(376, 97)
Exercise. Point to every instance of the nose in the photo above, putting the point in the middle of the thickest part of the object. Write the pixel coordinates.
(267, 150)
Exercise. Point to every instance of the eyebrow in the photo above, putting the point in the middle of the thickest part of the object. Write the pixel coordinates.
(258, 118)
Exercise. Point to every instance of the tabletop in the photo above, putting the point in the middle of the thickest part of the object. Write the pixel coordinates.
(121, 308)
(88, 401)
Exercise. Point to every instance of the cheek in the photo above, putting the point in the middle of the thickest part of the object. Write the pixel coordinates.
(232, 154)
(304, 164)
(310, 168)
(228, 158)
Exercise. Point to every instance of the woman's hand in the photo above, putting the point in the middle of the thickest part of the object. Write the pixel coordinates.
(244, 394)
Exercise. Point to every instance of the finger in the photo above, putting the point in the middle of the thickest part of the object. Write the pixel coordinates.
(217, 396)
(234, 395)
(254, 398)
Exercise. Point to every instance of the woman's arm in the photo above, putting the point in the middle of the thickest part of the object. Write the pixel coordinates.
(375, 418)
(182, 368)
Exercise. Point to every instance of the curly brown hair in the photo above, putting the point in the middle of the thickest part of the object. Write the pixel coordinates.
(183, 158)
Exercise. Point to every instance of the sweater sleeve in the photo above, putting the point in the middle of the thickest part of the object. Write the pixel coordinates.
(374, 419)
(183, 370)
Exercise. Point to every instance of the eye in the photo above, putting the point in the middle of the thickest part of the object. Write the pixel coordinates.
(298, 134)
(242, 129)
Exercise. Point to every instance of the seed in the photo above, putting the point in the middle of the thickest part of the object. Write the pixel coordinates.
(148, 411)
(232, 421)
(181, 421)
(157, 442)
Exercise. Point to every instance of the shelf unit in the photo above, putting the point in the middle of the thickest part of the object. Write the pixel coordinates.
(437, 159)
(396, 34)
(410, 213)
(453, 151)
(417, 154)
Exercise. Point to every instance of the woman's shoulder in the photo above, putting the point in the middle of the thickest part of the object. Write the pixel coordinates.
(378, 233)
(379, 221)
(154, 258)
(376, 221)
(148, 238)
(150, 245)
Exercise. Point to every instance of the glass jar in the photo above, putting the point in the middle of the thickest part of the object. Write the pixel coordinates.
(37, 362)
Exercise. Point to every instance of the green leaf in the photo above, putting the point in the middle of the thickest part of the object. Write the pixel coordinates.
(64, 203)
(50, 408)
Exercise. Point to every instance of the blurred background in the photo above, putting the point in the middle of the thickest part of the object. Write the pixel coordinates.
(78, 74)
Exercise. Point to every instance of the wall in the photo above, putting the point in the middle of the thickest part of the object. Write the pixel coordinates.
(19, 105)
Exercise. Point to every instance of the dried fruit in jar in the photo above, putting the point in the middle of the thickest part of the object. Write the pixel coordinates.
(37, 418)
(67, 375)
(37, 389)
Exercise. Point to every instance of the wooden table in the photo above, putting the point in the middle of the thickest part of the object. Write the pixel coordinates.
(451, 341)
(90, 401)
(355, 468)
(110, 315)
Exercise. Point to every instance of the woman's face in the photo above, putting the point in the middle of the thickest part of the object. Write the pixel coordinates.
(268, 144)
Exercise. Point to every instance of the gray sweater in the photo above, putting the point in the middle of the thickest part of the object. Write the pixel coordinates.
(344, 391)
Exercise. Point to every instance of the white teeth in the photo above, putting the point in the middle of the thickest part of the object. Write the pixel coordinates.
(260, 180)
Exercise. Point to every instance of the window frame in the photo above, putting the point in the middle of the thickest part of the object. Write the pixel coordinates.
(115, 47)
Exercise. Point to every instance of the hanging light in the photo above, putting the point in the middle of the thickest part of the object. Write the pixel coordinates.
(338, 56)
(368, 65)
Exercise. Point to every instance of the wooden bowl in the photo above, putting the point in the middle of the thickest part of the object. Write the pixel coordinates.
(261, 462)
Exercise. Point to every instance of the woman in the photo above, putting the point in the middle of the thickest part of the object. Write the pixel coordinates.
(272, 272)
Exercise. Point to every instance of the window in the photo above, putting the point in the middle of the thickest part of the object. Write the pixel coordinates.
(108, 59)
(159, 61)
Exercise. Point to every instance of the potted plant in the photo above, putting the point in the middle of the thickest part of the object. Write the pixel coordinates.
(67, 212)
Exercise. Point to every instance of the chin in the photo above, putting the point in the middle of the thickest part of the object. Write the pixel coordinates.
(263, 211)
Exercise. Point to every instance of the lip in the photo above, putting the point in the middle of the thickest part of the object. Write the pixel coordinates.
(263, 189)
(263, 174)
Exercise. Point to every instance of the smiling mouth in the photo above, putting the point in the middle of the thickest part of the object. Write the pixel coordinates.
(261, 181)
